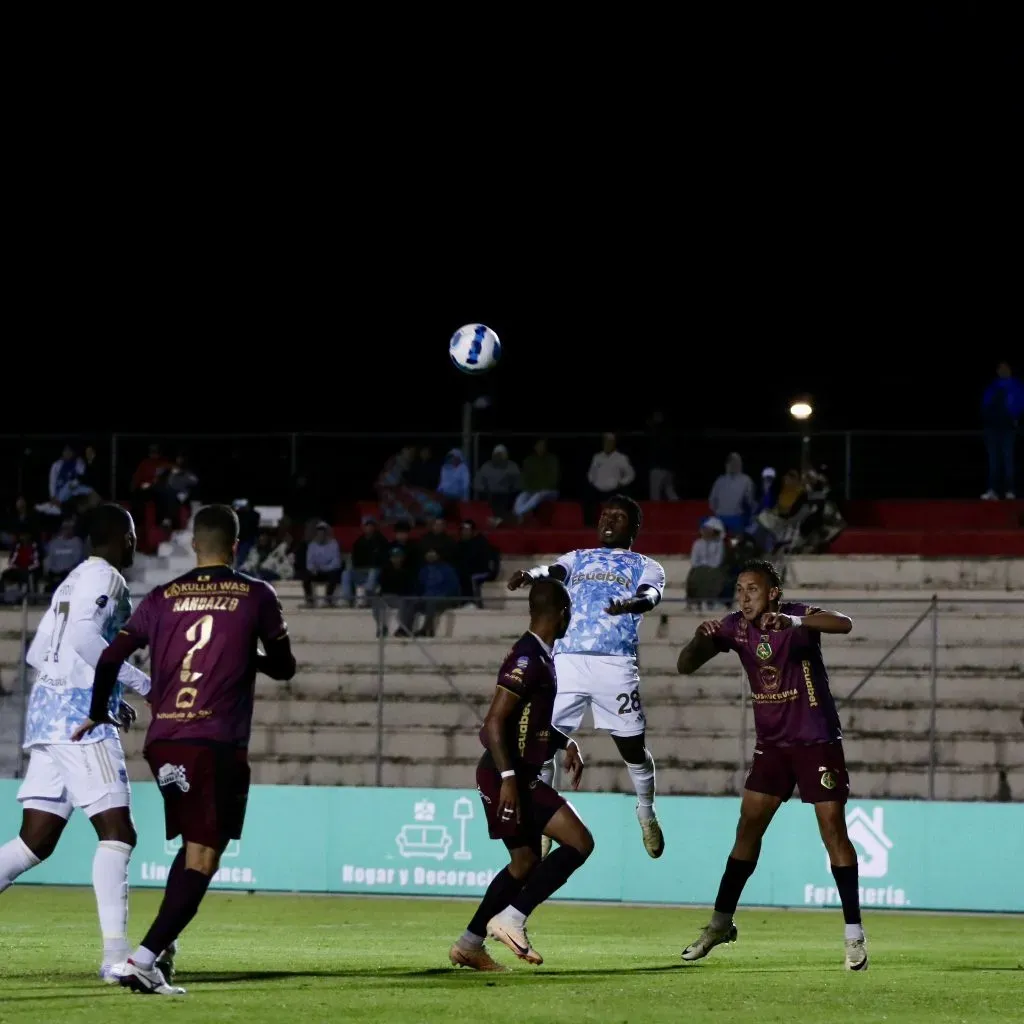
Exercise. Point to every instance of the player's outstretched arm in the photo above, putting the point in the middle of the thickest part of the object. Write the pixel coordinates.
(524, 577)
(642, 602)
(573, 760)
(107, 669)
(819, 619)
(700, 650)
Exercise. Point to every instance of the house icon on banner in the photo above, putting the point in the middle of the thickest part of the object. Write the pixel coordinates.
(867, 832)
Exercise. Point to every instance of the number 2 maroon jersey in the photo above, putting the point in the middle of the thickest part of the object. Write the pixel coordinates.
(202, 630)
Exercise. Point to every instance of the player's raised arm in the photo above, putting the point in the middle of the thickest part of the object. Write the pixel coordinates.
(818, 619)
(700, 650)
(648, 592)
(524, 577)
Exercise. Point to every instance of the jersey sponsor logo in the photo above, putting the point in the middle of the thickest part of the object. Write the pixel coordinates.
(524, 729)
(173, 775)
(598, 576)
(522, 663)
(812, 699)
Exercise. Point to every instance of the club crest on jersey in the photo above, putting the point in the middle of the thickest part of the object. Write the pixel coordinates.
(770, 678)
(828, 780)
(173, 775)
(764, 648)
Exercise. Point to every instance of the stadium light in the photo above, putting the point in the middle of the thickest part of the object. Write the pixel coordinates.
(801, 410)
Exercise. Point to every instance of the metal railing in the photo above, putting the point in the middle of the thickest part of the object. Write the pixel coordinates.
(13, 700)
(263, 467)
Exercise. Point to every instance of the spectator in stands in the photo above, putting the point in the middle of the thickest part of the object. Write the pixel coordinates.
(498, 482)
(248, 528)
(367, 558)
(439, 589)
(63, 553)
(1002, 408)
(706, 579)
(768, 496)
(65, 481)
(477, 561)
(410, 550)
(437, 539)
(21, 520)
(399, 499)
(453, 485)
(425, 470)
(732, 495)
(540, 480)
(398, 589)
(271, 557)
(323, 565)
(610, 472)
(23, 565)
(661, 458)
(150, 471)
(172, 491)
(93, 472)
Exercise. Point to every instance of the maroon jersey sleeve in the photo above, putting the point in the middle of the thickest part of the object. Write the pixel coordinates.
(271, 616)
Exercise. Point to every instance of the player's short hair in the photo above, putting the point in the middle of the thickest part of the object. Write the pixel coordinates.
(108, 523)
(766, 569)
(548, 597)
(631, 508)
(216, 526)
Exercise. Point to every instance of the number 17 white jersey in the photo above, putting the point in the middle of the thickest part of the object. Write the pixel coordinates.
(594, 578)
(86, 612)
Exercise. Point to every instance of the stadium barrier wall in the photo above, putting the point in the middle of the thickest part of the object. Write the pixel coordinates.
(915, 855)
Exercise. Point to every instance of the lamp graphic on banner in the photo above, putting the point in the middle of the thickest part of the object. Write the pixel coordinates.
(462, 812)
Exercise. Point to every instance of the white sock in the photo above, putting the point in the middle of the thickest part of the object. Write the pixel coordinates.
(110, 883)
(15, 859)
(516, 917)
(547, 772)
(643, 782)
(470, 940)
(143, 958)
(855, 931)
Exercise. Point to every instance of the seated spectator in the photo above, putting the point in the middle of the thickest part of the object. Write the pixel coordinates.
(497, 482)
(540, 480)
(270, 558)
(94, 475)
(21, 520)
(249, 529)
(368, 556)
(410, 549)
(424, 470)
(398, 589)
(148, 473)
(400, 499)
(439, 589)
(706, 579)
(437, 539)
(732, 496)
(453, 485)
(477, 561)
(323, 565)
(63, 553)
(176, 493)
(23, 566)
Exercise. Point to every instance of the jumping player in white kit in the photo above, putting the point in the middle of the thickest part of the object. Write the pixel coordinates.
(87, 610)
(611, 588)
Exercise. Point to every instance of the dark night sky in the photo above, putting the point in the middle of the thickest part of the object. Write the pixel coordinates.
(832, 212)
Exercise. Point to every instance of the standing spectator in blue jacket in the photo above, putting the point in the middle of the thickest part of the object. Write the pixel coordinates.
(453, 484)
(1001, 410)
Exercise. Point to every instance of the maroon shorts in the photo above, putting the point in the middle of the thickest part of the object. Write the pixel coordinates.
(205, 789)
(819, 770)
(538, 804)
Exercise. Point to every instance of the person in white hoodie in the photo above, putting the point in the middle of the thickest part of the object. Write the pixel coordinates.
(610, 473)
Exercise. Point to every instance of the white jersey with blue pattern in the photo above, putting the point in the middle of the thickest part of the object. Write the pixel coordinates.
(594, 578)
(86, 613)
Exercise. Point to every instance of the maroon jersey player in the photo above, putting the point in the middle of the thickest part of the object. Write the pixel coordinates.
(798, 741)
(202, 630)
(518, 739)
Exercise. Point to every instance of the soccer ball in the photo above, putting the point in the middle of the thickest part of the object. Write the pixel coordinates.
(474, 349)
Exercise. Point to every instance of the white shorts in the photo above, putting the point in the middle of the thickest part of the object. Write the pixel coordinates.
(63, 776)
(608, 684)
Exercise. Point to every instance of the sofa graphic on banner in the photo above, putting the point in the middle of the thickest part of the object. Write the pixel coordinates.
(431, 839)
(873, 845)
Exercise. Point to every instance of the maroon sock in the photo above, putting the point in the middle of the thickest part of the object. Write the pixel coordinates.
(185, 891)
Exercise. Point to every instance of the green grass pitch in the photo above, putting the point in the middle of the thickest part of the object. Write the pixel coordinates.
(306, 959)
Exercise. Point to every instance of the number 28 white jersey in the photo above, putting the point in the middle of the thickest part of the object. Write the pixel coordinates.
(594, 578)
(86, 612)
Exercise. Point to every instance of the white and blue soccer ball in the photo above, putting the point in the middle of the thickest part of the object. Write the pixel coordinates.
(474, 349)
